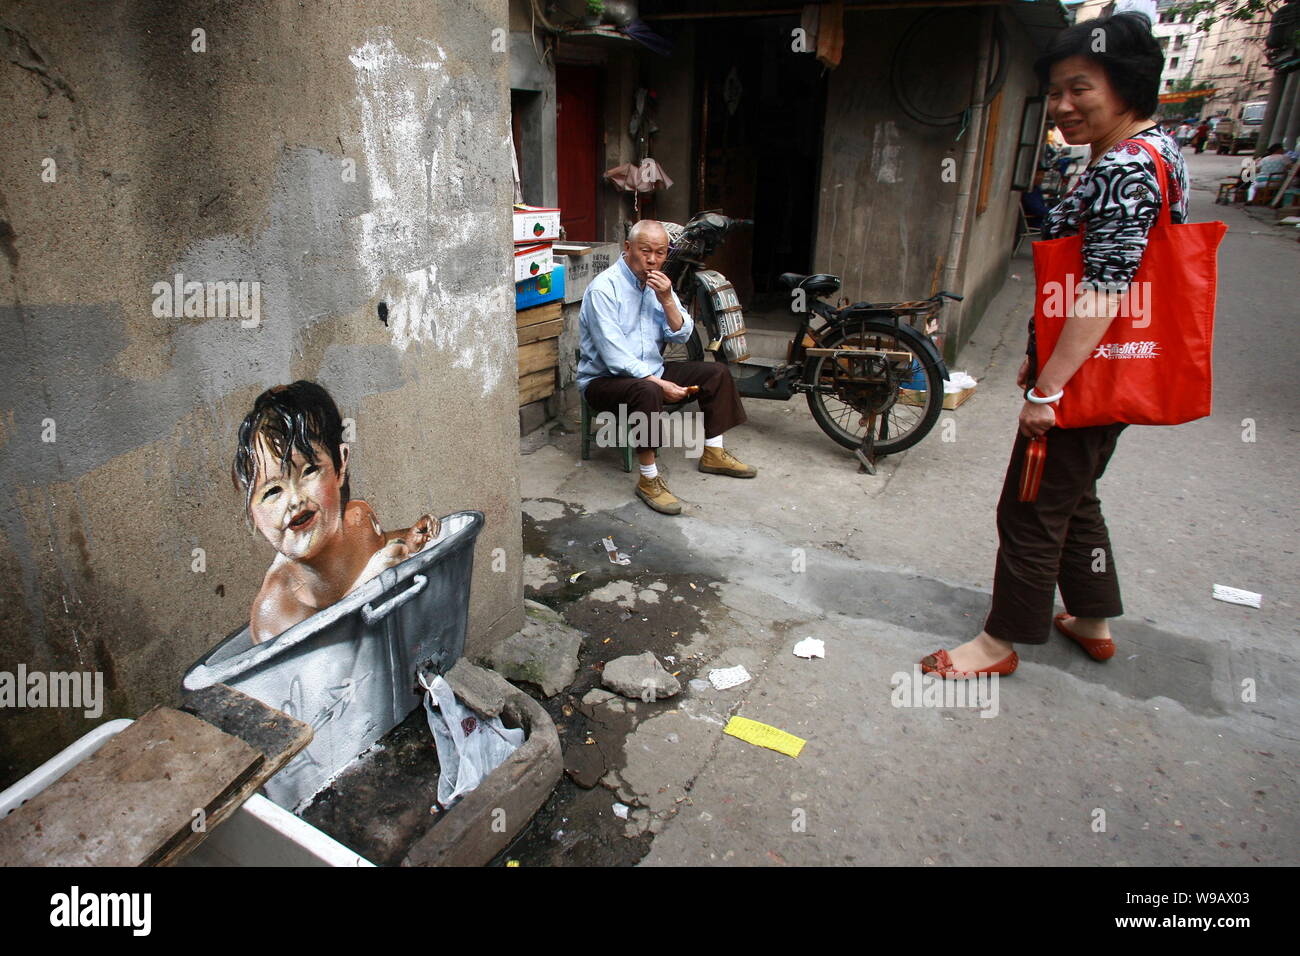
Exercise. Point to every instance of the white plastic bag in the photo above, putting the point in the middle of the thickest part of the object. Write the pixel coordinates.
(469, 746)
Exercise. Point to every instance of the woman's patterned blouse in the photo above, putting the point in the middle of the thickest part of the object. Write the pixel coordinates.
(1118, 200)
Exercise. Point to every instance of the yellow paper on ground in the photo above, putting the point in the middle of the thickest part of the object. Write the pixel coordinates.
(764, 735)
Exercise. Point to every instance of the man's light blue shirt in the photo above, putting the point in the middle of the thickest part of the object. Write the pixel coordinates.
(623, 328)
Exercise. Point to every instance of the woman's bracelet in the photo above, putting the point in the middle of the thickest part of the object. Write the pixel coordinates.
(1038, 400)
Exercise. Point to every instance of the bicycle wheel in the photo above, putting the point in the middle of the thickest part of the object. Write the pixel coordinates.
(843, 403)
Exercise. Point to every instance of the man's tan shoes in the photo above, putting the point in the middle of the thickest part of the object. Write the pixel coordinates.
(719, 461)
(655, 493)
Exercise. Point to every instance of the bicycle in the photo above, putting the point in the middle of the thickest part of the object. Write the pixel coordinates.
(873, 379)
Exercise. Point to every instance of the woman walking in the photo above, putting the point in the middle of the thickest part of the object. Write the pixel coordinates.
(1104, 100)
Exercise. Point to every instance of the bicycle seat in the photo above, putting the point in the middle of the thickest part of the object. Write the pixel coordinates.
(819, 284)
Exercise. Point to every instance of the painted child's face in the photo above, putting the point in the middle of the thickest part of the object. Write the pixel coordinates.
(300, 507)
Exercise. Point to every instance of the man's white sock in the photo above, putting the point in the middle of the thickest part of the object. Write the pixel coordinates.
(714, 442)
(649, 471)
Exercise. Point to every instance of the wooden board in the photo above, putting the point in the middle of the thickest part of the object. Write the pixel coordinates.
(536, 385)
(134, 800)
(272, 733)
(538, 355)
(895, 357)
(541, 313)
(542, 330)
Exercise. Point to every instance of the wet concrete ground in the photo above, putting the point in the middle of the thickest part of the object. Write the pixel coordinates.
(1180, 750)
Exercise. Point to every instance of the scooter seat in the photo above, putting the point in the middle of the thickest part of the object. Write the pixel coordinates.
(819, 284)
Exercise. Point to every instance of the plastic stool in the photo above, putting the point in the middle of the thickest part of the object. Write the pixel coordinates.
(587, 436)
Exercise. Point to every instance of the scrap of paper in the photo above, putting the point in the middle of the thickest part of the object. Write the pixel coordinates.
(723, 677)
(1236, 596)
(615, 556)
(764, 735)
(810, 647)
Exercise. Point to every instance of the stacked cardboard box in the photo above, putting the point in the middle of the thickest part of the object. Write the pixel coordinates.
(539, 295)
(535, 230)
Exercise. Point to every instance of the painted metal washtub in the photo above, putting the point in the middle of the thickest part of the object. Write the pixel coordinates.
(349, 671)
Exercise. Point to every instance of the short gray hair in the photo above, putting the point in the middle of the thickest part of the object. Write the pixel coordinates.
(638, 228)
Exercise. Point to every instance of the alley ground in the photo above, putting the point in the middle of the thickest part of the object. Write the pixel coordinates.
(1151, 758)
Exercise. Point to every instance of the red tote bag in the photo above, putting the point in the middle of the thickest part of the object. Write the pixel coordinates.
(1154, 364)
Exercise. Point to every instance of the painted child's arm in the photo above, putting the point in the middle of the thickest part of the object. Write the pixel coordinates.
(275, 610)
(418, 535)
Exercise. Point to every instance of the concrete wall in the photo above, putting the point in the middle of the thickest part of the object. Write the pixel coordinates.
(991, 234)
(236, 164)
(887, 207)
(885, 212)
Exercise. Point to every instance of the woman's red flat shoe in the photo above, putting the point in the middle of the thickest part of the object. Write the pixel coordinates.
(940, 663)
(1098, 648)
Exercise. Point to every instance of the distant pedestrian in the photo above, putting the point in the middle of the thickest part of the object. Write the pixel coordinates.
(1200, 136)
(1184, 134)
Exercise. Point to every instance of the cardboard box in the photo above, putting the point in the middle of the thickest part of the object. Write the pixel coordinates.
(951, 400)
(532, 261)
(547, 287)
(536, 224)
(582, 268)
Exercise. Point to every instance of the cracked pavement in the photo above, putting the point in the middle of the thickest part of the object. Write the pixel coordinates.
(1160, 756)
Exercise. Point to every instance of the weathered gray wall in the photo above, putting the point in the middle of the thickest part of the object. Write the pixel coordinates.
(991, 236)
(885, 214)
(232, 164)
(886, 211)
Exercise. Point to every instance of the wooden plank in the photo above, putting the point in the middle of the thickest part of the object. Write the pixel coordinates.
(536, 385)
(541, 313)
(273, 733)
(542, 330)
(538, 355)
(135, 799)
(899, 357)
(990, 146)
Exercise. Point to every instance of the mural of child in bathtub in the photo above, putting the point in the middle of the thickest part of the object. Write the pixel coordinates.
(291, 465)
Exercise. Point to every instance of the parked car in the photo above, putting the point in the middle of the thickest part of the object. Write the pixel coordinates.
(1252, 119)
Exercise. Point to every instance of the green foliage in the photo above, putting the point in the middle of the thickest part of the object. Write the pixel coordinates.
(1205, 13)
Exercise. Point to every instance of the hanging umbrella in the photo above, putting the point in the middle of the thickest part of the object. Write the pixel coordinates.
(643, 177)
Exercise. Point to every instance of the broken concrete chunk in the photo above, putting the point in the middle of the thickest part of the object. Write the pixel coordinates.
(538, 611)
(543, 653)
(481, 690)
(596, 696)
(639, 677)
(584, 765)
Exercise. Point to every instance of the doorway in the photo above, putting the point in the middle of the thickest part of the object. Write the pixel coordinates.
(761, 112)
(578, 141)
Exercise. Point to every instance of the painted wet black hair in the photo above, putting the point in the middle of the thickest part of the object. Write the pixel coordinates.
(1132, 59)
(290, 416)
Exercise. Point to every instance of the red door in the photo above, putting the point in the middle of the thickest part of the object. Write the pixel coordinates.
(577, 136)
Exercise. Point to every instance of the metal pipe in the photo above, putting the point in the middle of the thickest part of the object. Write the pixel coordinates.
(966, 187)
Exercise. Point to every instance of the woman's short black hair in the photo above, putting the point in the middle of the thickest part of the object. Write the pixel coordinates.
(1125, 49)
(1275, 148)
(289, 416)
